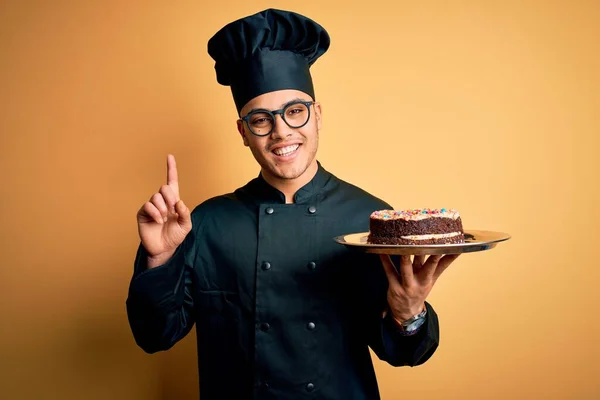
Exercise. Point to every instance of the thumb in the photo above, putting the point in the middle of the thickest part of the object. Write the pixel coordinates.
(184, 219)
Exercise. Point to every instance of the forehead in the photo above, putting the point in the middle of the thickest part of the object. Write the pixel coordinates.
(274, 100)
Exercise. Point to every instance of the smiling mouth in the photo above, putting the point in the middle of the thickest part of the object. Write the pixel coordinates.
(286, 151)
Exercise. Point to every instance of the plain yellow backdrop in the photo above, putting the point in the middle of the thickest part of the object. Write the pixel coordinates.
(490, 107)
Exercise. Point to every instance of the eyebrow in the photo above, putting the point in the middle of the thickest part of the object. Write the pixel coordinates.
(297, 99)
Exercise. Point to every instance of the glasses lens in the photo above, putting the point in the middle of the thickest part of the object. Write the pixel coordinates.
(260, 123)
(296, 115)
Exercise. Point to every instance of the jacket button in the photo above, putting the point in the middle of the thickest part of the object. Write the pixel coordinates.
(269, 210)
(310, 326)
(266, 265)
(265, 327)
(310, 387)
(312, 209)
(312, 265)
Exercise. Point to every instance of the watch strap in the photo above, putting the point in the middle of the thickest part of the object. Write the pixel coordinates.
(410, 326)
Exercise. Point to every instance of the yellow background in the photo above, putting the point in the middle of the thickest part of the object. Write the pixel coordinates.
(491, 107)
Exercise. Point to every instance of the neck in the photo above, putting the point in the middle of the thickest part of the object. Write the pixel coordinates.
(289, 187)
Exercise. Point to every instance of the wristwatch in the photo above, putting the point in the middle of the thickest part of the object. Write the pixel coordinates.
(411, 325)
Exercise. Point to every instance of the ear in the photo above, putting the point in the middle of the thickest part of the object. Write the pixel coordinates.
(318, 115)
(240, 128)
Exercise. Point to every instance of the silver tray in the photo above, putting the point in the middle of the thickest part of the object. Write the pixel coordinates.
(475, 240)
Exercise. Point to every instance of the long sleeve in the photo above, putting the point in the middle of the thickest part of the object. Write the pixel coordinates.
(159, 302)
(401, 350)
(387, 343)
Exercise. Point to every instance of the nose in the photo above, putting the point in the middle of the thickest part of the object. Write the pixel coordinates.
(280, 128)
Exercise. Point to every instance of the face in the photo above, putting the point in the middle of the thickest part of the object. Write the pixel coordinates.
(287, 153)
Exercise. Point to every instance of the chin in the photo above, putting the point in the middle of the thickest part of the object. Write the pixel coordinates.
(288, 172)
(292, 170)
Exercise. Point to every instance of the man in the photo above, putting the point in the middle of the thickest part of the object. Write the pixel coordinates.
(281, 310)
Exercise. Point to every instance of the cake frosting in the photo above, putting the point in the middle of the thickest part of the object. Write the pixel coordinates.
(415, 226)
(416, 214)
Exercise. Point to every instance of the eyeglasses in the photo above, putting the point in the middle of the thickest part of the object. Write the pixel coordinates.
(295, 115)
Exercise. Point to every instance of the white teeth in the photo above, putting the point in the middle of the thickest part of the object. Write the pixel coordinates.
(284, 151)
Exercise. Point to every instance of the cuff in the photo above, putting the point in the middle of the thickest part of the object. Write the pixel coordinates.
(413, 349)
(158, 286)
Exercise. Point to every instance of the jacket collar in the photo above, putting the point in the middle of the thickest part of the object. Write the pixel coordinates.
(260, 191)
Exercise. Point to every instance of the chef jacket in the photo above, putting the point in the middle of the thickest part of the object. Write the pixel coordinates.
(281, 310)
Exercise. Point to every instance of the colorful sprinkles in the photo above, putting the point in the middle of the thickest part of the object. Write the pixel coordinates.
(415, 213)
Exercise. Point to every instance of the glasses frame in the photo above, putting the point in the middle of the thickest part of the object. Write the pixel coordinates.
(273, 113)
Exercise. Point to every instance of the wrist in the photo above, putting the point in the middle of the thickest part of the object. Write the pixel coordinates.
(409, 326)
(404, 317)
(159, 259)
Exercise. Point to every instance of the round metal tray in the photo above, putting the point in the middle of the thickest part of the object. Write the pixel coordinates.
(475, 240)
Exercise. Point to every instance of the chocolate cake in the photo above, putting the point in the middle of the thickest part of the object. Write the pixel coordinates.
(415, 226)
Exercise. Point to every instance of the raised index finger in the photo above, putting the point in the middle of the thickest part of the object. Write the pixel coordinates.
(172, 178)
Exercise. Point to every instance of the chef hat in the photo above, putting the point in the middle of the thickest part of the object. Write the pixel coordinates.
(268, 51)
